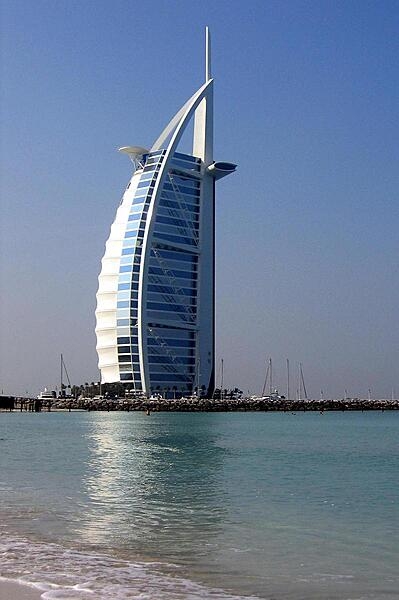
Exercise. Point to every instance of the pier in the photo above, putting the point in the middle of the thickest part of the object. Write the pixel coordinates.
(11, 403)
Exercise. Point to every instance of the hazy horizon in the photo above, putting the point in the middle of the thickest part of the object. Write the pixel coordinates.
(306, 103)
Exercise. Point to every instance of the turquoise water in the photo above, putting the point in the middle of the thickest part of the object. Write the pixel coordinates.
(278, 506)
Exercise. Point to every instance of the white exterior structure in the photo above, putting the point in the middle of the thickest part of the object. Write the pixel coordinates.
(155, 301)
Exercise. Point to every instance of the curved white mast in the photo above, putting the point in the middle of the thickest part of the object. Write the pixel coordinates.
(203, 120)
(208, 75)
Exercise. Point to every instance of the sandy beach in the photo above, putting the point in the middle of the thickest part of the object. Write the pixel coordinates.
(15, 591)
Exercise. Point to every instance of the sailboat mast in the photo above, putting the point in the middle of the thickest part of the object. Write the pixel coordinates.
(61, 388)
(288, 379)
(266, 378)
(221, 379)
(303, 383)
(299, 382)
(271, 377)
(66, 372)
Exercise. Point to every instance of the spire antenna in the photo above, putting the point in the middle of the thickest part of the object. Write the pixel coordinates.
(208, 75)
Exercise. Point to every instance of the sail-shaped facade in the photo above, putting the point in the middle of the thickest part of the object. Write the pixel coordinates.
(156, 296)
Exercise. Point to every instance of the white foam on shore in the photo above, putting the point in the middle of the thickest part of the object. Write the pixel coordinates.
(60, 573)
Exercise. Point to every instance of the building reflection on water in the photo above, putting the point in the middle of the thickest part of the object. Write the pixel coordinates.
(154, 485)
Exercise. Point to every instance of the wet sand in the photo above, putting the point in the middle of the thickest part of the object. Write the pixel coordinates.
(14, 591)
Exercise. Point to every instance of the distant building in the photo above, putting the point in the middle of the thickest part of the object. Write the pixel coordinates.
(156, 296)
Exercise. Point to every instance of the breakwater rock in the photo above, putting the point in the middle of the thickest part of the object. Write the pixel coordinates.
(224, 405)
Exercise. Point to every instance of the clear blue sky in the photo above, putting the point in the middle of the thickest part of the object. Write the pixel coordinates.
(306, 102)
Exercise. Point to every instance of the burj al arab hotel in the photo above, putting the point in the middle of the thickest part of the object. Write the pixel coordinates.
(156, 295)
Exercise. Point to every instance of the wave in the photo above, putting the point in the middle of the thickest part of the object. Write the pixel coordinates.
(61, 573)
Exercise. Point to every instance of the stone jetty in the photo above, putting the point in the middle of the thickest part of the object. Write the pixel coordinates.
(197, 404)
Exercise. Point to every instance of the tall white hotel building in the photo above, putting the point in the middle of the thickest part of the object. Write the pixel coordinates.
(156, 295)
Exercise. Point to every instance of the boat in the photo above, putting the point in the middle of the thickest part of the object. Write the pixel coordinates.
(45, 395)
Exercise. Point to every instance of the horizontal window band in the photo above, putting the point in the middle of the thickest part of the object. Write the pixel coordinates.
(124, 322)
(123, 304)
(163, 316)
(176, 255)
(134, 217)
(124, 295)
(140, 196)
(124, 331)
(177, 211)
(178, 282)
(159, 153)
(188, 157)
(168, 306)
(174, 299)
(155, 359)
(154, 378)
(186, 223)
(185, 169)
(124, 358)
(175, 238)
(174, 265)
(181, 182)
(132, 226)
(127, 340)
(129, 243)
(144, 184)
(126, 260)
(180, 190)
(181, 198)
(172, 204)
(172, 342)
(123, 349)
(183, 232)
(131, 234)
(174, 273)
(168, 331)
(164, 289)
(137, 206)
(146, 176)
(190, 219)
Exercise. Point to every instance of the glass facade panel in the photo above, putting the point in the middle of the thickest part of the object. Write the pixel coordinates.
(126, 376)
(132, 226)
(170, 279)
(126, 260)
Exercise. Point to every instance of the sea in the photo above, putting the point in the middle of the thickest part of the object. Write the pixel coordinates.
(278, 506)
